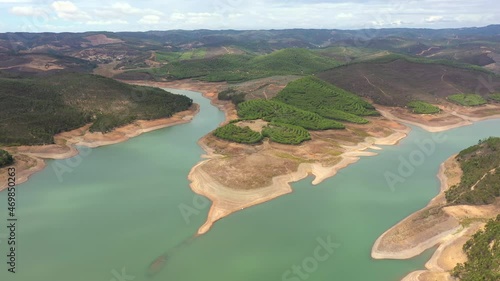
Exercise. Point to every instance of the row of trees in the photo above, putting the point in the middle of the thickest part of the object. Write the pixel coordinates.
(421, 107)
(238, 134)
(467, 99)
(274, 111)
(285, 133)
(313, 94)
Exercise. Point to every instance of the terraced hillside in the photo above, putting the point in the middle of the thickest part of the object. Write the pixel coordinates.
(313, 94)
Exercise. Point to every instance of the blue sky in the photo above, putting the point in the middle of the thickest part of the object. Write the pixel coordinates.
(122, 15)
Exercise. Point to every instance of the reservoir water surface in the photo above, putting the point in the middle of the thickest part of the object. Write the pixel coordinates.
(119, 207)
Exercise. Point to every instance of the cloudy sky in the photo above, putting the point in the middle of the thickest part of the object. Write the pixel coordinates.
(126, 15)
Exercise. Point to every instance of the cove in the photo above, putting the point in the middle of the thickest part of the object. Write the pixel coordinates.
(120, 208)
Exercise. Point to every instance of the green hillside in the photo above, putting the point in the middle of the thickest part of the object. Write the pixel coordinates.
(483, 255)
(242, 67)
(313, 94)
(274, 111)
(34, 110)
(480, 182)
(396, 80)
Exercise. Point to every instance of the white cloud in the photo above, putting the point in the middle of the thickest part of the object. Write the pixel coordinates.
(344, 15)
(69, 11)
(149, 19)
(14, 1)
(254, 14)
(199, 19)
(125, 8)
(106, 22)
(27, 11)
(121, 9)
(434, 19)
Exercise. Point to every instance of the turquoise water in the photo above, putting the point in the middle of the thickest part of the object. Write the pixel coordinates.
(120, 207)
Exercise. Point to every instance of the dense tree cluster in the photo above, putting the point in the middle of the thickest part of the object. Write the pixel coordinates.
(467, 99)
(233, 95)
(5, 158)
(495, 97)
(34, 110)
(274, 111)
(421, 107)
(232, 132)
(480, 182)
(285, 133)
(483, 255)
(242, 67)
(323, 98)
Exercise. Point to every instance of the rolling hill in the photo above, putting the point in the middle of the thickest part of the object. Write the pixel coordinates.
(396, 80)
(242, 67)
(34, 110)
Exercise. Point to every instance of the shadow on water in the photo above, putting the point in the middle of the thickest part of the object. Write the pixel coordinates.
(160, 262)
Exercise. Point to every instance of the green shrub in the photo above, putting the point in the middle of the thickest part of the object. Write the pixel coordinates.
(495, 97)
(5, 158)
(231, 94)
(467, 99)
(238, 134)
(421, 107)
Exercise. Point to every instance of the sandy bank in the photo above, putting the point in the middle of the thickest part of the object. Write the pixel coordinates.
(227, 200)
(451, 117)
(435, 225)
(424, 228)
(29, 159)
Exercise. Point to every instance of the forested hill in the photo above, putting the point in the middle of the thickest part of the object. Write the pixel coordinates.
(483, 255)
(34, 110)
(480, 182)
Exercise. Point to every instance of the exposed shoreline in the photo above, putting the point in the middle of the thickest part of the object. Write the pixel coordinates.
(227, 201)
(466, 121)
(444, 231)
(378, 253)
(30, 159)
